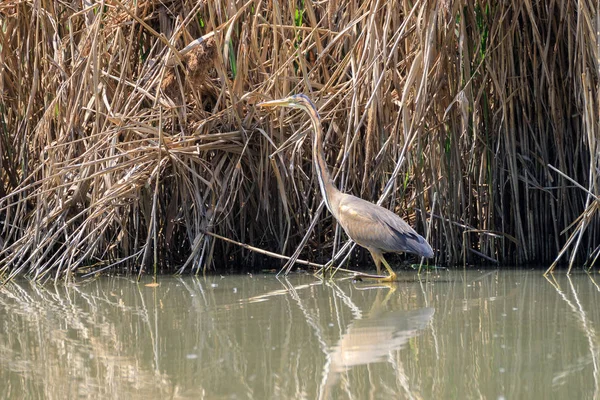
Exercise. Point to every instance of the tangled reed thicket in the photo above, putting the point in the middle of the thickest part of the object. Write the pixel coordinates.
(120, 149)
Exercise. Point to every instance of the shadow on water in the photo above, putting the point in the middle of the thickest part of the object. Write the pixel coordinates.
(492, 335)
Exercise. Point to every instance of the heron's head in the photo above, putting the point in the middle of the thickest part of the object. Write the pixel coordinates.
(296, 101)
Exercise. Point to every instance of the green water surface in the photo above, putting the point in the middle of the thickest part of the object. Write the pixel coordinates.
(450, 335)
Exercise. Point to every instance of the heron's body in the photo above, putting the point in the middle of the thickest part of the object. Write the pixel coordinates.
(377, 229)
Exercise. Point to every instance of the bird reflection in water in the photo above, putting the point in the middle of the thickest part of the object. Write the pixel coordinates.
(372, 339)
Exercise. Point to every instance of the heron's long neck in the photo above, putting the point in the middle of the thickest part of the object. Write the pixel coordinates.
(328, 189)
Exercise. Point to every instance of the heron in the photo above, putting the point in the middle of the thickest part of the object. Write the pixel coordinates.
(373, 227)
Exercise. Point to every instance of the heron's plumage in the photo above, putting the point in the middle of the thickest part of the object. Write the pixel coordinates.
(372, 226)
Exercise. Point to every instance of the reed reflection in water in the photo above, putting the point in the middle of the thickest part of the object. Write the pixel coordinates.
(492, 335)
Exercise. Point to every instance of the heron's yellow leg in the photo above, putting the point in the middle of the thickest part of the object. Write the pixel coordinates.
(393, 277)
(378, 258)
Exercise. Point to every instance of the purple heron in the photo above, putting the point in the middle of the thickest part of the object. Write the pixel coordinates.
(373, 227)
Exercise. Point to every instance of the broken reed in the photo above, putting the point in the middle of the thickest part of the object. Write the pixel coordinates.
(117, 151)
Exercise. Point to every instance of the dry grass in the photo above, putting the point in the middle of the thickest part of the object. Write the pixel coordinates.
(119, 150)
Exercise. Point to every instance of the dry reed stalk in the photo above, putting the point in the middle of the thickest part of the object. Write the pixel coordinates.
(113, 143)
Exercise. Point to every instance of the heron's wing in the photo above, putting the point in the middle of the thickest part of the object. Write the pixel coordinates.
(373, 226)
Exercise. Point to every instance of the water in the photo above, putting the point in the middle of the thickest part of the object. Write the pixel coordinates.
(492, 335)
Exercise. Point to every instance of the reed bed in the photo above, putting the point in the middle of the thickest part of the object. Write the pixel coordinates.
(121, 147)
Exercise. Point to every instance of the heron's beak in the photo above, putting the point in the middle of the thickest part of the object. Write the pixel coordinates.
(274, 103)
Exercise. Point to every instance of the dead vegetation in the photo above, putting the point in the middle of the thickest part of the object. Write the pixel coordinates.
(120, 146)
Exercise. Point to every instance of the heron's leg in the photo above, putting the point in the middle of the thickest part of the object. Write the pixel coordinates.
(377, 264)
(393, 276)
(376, 258)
